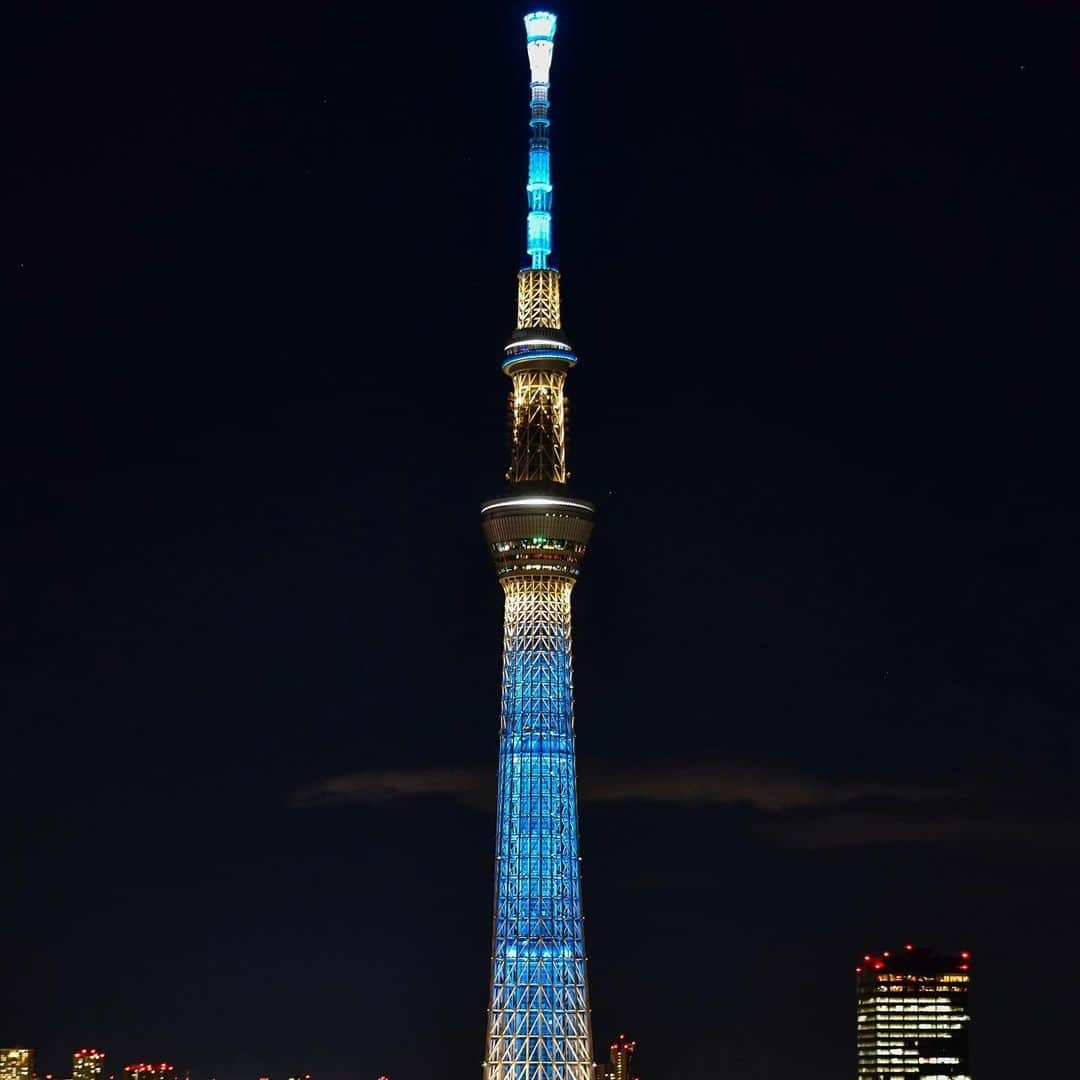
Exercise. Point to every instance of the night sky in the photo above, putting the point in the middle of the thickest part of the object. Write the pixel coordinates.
(821, 271)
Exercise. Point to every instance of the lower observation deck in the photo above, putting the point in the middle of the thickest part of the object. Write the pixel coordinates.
(537, 534)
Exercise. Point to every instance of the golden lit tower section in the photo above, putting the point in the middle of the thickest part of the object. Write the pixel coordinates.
(538, 1011)
(912, 1013)
(87, 1064)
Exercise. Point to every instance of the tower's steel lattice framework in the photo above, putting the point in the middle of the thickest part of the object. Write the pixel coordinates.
(538, 1014)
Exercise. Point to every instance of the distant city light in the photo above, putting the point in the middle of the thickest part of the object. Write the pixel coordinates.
(87, 1064)
(16, 1063)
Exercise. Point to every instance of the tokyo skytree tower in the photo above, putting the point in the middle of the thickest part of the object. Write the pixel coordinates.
(538, 1014)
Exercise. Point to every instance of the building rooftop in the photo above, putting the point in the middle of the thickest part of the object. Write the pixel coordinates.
(915, 960)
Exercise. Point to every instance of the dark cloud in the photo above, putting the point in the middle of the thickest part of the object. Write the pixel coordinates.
(765, 788)
(470, 786)
(792, 808)
(983, 830)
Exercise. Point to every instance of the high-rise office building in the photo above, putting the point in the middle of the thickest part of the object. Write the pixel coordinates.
(16, 1063)
(538, 1015)
(87, 1064)
(619, 1067)
(912, 1009)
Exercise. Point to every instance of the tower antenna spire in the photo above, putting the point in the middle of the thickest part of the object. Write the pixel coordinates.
(540, 42)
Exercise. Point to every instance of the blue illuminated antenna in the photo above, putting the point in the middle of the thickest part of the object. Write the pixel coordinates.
(540, 41)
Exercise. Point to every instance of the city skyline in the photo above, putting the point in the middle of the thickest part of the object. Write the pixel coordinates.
(818, 269)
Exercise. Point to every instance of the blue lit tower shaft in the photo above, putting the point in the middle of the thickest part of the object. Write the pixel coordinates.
(538, 1014)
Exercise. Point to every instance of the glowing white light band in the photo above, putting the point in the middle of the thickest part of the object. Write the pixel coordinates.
(536, 500)
(538, 341)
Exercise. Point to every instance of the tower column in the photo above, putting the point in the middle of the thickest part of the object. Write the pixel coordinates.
(537, 533)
